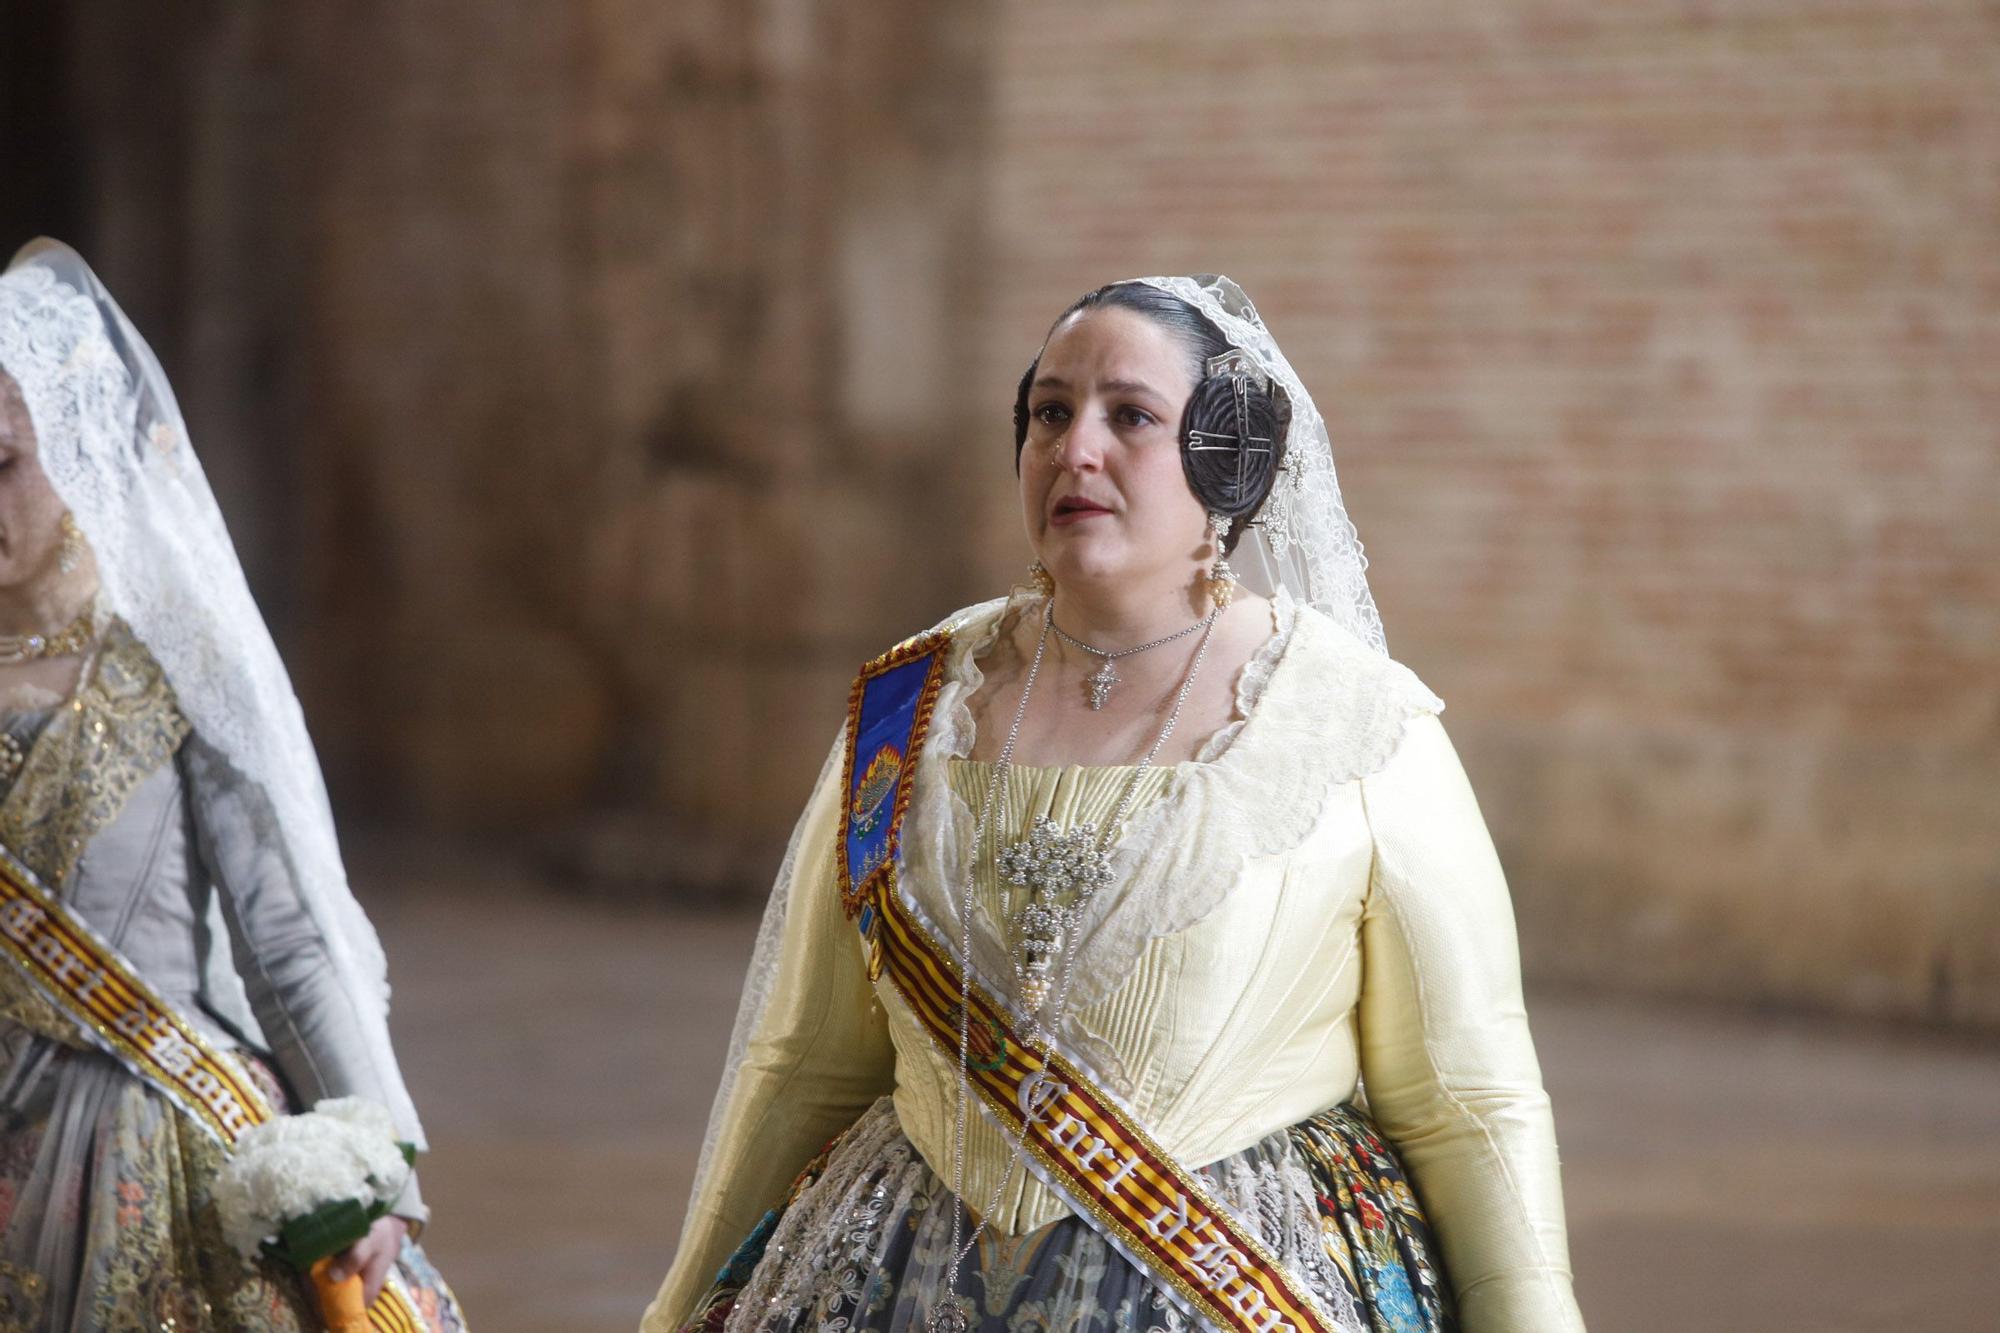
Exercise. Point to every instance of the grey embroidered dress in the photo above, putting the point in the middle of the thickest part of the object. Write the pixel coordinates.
(150, 837)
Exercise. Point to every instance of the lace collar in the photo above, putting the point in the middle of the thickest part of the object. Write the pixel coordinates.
(1316, 708)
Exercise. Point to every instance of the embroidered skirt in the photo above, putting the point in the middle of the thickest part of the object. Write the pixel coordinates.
(105, 1221)
(863, 1242)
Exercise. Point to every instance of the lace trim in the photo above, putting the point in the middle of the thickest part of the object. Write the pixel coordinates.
(1270, 1191)
(1318, 708)
(831, 1240)
(1303, 540)
(1254, 677)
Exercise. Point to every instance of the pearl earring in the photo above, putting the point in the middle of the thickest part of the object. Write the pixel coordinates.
(1221, 578)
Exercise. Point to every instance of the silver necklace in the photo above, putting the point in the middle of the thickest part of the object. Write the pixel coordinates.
(1041, 942)
(1106, 675)
(1062, 869)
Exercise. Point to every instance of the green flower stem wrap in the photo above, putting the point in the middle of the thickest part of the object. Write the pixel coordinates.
(330, 1228)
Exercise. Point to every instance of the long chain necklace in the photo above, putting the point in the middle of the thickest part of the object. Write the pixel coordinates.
(1047, 869)
(71, 638)
(1106, 675)
(1062, 869)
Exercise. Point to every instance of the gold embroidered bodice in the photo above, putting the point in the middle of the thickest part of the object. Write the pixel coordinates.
(71, 775)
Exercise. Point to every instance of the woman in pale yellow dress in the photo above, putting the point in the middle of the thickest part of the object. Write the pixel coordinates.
(1199, 838)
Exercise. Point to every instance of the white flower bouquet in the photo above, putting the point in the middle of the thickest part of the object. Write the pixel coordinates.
(302, 1188)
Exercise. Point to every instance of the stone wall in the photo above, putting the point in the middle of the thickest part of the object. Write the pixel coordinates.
(570, 375)
(592, 386)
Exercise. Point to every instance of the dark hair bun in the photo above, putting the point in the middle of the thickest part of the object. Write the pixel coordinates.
(1232, 443)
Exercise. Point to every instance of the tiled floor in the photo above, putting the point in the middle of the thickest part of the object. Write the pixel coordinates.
(1724, 1172)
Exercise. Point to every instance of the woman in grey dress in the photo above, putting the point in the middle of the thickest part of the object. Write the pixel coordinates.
(155, 776)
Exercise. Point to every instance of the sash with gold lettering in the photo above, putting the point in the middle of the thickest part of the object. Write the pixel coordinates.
(114, 1009)
(1079, 1139)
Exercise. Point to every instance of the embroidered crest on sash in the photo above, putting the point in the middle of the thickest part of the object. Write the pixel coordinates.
(877, 785)
(888, 717)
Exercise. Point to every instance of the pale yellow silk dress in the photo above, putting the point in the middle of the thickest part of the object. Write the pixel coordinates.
(1312, 907)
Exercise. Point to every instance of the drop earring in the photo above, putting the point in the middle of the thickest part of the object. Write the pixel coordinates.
(1221, 578)
(69, 553)
(1039, 578)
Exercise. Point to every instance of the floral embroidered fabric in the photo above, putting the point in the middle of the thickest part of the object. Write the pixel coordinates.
(105, 1204)
(863, 1243)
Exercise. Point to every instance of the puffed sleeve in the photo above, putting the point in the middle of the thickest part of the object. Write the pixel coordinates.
(318, 1039)
(819, 1056)
(1447, 1061)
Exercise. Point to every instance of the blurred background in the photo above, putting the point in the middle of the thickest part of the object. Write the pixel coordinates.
(590, 387)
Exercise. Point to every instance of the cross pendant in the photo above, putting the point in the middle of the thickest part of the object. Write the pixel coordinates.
(1101, 683)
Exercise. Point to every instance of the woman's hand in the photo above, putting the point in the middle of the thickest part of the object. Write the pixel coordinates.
(371, 1256)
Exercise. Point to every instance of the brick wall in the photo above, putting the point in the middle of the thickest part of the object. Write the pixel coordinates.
(592, 386)
(1661, 343)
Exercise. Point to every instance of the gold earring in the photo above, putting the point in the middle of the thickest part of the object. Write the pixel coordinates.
(1221, 578)
(69, 553)
(1039, 578)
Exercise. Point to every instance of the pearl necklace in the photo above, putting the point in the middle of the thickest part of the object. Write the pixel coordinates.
(71, 638)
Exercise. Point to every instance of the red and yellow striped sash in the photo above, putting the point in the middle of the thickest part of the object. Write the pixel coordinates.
(1078, 1139)
(117, 1011)
(1091, 1151)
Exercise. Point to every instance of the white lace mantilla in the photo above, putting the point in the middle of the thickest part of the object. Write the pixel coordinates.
(1316, 707)
(112, 441)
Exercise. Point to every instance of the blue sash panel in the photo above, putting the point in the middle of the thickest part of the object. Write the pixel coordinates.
(888, 718)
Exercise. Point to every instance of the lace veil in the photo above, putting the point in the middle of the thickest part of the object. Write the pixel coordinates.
(113, 444)
(1302, 540)
(1303, 544)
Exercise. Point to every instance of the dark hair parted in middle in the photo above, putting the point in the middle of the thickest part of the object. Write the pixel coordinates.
(1232, 436)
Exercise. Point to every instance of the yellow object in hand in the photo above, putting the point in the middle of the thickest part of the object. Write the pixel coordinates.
(340, 1303)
